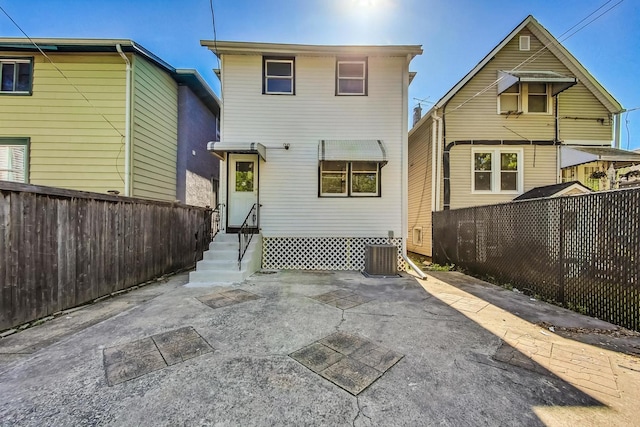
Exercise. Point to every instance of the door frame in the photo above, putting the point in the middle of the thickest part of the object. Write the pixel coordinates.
(235, 230)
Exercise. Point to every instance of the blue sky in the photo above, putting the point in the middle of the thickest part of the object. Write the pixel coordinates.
(455, 34)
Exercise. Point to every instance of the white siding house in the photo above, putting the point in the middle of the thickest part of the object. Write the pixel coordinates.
(315, 137)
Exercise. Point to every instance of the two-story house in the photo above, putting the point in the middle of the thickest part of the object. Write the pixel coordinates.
(314, 142)
(102, 115)
(507, 127)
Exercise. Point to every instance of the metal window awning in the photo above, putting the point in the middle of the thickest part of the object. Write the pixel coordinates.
(221, 148)
(559, 82)
(361, 150)
(579, 155)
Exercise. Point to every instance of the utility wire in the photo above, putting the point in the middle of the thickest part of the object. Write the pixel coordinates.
(534, 56)
(61, 73)
(215, 35)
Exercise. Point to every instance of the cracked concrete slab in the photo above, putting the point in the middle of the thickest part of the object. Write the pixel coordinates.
(448, 375)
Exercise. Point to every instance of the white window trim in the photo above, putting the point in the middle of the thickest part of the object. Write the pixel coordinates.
(363, 78)
(416, 237)
(523, 101)
(495, 169)
(267, 77)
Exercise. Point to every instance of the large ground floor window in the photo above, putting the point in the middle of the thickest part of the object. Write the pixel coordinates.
(349, 179)
(14, 163)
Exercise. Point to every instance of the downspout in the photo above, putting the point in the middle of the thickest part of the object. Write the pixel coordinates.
(617, 117)
(434, 159)
(404, 135)
(127, 124)
(557, 141)
(443, 160)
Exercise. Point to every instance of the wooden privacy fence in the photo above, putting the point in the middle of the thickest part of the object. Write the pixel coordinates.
(62, 248)
(580, 251)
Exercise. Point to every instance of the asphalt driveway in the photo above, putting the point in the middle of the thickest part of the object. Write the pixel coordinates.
(318, 348)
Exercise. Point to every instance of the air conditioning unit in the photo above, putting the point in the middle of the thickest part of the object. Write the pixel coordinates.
(380, 260)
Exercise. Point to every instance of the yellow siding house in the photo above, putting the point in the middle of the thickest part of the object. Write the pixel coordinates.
(501, 130)
(92, 115)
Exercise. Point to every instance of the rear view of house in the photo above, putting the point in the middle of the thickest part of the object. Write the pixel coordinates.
(105, 115)
(314, 143)
(504, 129)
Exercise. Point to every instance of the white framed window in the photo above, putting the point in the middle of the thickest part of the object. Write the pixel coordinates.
(14, 160)
(351, 77)
(497, 170)
(525, 43)
(417, 236)
(526, 98)
(279, 76)
(16, 76)
(349, 179)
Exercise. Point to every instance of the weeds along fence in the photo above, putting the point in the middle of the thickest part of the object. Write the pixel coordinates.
(582, 252)
(62, 248)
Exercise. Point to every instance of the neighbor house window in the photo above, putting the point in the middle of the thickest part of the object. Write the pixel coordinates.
(349, 179)
(527, 98)
(14, 163)
(16, 75)
(351, 77)
(279, 76)
(497, 170)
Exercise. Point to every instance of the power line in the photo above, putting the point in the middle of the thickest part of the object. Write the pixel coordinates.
(215, 35)
(61, 73)
(534, 56)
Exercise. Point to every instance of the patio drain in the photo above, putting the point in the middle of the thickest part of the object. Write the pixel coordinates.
(225, 298)
(135, 359)
(342, 299)
(349, 361)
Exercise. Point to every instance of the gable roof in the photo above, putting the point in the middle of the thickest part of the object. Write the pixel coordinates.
(553, 190)
(256, 48)
(554, 47)
(187, 77)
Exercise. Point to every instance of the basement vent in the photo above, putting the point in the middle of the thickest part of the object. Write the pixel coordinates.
(380, 260)
(525, 42)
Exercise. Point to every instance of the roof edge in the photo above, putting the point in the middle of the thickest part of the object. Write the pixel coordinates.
(256, 48)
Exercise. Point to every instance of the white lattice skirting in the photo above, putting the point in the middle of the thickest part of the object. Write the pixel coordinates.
(321, 253)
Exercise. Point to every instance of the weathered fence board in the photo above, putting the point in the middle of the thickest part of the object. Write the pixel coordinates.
(61, 248)
(580, 251)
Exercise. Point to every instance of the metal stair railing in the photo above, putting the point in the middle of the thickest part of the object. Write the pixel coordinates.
(245, 234)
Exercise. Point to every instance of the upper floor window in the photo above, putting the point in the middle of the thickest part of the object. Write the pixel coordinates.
(351, 77)
(15, 76)
(279, 76)
(497, 170)
(14, 160)
(526, 98)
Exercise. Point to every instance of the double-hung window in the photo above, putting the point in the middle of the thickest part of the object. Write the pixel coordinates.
(278, 76)
(497, 170)
(351, 77)
(526, 98)
(14, 160)
(16, 76)
(349, 179)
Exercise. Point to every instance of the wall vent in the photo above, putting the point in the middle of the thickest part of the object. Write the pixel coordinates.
(380, 260)
(525, 42)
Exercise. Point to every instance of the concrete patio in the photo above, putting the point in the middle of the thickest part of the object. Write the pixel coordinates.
(321, 348)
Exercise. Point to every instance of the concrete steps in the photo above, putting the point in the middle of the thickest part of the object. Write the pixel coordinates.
(219, 266)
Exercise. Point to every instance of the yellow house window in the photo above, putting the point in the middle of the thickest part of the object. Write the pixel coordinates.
(16, 76)
(14, 160)
(525, 98)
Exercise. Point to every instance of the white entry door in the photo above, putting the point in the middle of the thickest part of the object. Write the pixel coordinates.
(243, 188)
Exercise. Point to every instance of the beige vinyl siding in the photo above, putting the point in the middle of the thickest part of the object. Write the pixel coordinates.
(539, 170)
(593, 123)
(154, 132)
(478, 118)
(420, 194)
(289, 178)
(71, 144)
